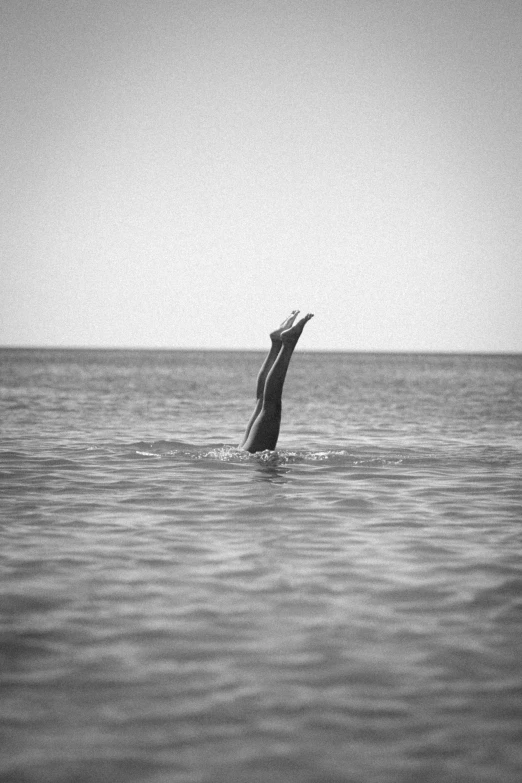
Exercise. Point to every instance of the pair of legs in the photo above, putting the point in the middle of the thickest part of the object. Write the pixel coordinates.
(263, 428)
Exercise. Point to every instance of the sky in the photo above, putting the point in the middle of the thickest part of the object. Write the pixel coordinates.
(183, 173)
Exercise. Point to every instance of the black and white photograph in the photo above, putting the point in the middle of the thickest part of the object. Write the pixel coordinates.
(260, 391)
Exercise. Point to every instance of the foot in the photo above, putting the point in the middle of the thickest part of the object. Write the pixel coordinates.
(287, 323)
(292, 335)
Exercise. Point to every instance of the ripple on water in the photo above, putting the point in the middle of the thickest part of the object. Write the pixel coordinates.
(345, 608)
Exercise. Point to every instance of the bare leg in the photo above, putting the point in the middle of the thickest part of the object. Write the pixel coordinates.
(264, 431)
(275, 337)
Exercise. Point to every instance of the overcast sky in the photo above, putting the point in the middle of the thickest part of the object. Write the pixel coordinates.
(181, 173)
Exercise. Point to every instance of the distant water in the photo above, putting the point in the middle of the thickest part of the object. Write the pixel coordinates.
(346, 609)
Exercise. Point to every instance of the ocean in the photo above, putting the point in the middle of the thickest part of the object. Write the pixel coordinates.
(346, 609)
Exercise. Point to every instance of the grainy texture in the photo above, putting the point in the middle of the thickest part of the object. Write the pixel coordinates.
(345, 609)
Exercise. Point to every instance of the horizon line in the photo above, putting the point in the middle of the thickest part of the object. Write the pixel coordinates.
(431, 351)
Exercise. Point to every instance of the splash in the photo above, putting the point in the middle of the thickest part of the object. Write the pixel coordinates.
(223, 452)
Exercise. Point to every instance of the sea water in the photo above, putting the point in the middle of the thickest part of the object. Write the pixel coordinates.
(345, 609)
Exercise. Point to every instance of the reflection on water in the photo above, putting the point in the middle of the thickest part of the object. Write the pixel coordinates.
(271, 472)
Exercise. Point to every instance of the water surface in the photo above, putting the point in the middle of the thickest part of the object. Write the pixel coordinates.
(344, 609)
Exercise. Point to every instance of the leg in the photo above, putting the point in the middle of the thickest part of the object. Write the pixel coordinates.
(266, 367)
(264, 431)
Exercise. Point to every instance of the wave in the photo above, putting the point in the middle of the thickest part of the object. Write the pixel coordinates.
(224, 452)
